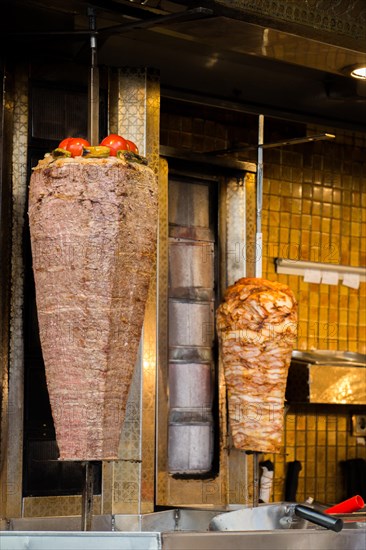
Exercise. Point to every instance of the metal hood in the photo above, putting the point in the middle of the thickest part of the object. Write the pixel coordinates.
(283, 58)
(327, 377)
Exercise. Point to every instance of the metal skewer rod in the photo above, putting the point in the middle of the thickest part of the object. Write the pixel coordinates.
(258, 234)
(93, 88)
(255, 479)
(87, 497)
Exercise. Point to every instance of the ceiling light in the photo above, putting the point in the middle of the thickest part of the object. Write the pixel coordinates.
(356, 71)
(359, 72)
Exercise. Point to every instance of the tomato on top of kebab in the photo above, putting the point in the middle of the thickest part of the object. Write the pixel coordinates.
(75, 146)
(118, 143)
(113, 145)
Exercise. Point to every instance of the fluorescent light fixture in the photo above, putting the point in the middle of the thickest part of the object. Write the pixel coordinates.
(298, 267)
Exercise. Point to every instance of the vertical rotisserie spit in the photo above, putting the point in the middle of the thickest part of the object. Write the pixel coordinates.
(257, 327)
(93, 235)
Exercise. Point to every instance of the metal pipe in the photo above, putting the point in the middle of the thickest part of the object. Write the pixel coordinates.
(87, 497)
(93, 89)
(283, 143)
(259, 194)
(255, 479)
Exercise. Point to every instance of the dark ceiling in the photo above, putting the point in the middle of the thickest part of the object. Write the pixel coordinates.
(205, 52)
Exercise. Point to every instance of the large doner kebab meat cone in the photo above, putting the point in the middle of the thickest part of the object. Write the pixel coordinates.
(257, 326)
(93, 235)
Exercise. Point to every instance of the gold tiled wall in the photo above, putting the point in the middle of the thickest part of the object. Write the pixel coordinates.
(314, 208)
(320, 438)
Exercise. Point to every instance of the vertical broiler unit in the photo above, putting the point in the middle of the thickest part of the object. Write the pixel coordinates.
(191, 322)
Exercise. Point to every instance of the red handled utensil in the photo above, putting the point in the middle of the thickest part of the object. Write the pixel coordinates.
(347, 506)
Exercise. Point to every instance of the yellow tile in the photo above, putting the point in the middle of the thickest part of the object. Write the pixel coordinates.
(354, 259)
(333, 315)
(355, 229)
(300, 453)
(352, 316)
(286, 188)
(336, 196)
(327, 210)
(284, 235)
(274, 203)
(327, 194)
(336, 226)
(295, 236)
(275, 187)
(345, 256)
(321, 423)
(296, 221)
(325, 224)
(302, 343)
(290, 451)
(296, 206)
(311, 422)
(342, 423)
(356, 215)
(346, 213)
(307, 190)
(342, 332)
(285, 219)
(290, 421)
(316, 208)
(306, 206)
(336, 211)
(306, 221)
(274, 218)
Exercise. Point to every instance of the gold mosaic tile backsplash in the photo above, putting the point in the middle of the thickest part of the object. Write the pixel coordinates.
(320, 438)
(314, 208)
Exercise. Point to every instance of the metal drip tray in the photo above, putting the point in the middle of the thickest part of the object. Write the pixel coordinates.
(328, 377)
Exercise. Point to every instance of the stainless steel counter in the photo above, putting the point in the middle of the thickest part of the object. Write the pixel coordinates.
(175, 529)
(44, 540)
(267, 540)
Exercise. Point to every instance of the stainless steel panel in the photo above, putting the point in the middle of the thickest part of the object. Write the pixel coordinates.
(236, 250)
(352, 539)
(337, 384)
(326, 376)
(188, 204)
(83, 541)
(190, 385)
(190, 448)
(191, 269)
(66, 523)
(330, 357)
(191, 324)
